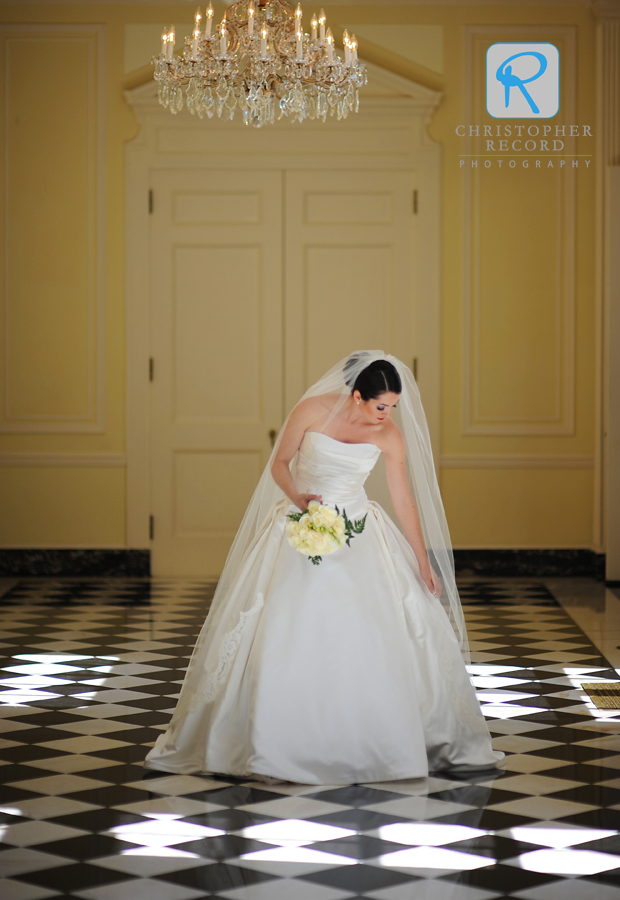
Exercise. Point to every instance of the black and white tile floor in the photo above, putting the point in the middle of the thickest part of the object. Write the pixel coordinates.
(90, 673)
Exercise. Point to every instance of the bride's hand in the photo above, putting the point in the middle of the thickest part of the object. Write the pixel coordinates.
(304, 499)
(432, 580)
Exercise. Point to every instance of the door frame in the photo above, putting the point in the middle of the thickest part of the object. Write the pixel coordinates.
(389, 132)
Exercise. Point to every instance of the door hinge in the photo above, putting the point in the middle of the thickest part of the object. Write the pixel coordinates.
(151, 200)
(151, 527)
(414, 368)
(151, 368)
(415, 202)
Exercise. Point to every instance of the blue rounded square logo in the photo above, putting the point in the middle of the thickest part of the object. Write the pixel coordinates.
(523, 80)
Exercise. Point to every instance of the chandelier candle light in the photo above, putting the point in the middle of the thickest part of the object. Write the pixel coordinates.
(260, 62)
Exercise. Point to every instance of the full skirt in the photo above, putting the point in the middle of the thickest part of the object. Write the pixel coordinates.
(344, 672)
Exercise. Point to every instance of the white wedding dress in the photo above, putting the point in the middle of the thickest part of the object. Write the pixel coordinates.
(344, 672)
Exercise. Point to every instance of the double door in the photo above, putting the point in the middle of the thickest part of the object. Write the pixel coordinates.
(261, 280)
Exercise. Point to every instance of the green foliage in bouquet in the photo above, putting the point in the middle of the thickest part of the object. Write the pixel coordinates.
(351, 528)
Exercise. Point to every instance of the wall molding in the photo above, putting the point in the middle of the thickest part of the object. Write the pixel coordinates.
(514, 461)
(563, 421)
(93, 421)
(64, 460)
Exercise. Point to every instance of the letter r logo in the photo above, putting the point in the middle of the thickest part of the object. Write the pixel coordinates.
(523, 80)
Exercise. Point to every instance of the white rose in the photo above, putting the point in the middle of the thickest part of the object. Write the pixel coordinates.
(329, 544)
(319, 519)
(315, 541)
(330, 514)
(326, 544)
(293, 534)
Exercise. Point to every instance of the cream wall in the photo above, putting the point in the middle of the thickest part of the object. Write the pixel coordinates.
(507, 481)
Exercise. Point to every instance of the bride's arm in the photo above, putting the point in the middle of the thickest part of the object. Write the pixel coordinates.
(296, 427)
(395, 455)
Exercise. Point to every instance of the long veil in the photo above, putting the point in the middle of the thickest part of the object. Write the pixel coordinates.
(230, 608)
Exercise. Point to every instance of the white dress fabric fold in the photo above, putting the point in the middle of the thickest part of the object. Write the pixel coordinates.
(344, 672)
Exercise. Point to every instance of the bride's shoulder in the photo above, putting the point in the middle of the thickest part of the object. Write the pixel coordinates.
(391, 439)
(322, 401)
(313, 407)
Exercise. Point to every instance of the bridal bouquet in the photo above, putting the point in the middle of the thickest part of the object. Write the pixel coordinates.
(320, 530)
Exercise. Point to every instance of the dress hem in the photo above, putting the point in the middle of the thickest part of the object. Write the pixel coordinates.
(405, 776)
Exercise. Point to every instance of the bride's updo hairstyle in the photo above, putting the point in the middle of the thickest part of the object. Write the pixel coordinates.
(380, 377)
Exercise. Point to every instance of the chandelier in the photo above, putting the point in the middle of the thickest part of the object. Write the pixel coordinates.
(260, 62)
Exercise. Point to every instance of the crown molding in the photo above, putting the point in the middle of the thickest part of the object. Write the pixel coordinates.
(340, 3)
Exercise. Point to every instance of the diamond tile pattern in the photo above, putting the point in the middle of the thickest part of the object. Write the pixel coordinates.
(90, 671)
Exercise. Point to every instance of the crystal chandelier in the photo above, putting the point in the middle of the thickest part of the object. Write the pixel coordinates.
(260, 62)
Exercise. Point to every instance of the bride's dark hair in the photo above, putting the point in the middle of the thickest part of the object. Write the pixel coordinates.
(380, 377)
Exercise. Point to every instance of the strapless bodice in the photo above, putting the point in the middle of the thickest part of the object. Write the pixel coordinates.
(335, 470)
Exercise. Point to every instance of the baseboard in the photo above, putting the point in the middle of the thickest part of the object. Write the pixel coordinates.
(530, 563)
(81, 562)
(23, 562)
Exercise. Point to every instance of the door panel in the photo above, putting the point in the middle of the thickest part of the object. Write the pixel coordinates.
(349, 269)
(204, 501)
(216, 337)
(217, 355)
(347, 304)
(349, 249)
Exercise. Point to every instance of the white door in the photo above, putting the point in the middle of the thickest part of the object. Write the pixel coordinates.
(349, 274)
(216, 339)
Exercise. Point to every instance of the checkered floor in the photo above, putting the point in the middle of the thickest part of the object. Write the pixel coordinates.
(90, 673)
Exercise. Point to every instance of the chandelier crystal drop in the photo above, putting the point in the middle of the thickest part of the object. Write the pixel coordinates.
(260, 62)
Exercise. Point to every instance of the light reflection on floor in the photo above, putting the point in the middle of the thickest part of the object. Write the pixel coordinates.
(90, 674)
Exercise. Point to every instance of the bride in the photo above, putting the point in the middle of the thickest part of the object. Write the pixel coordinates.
(352, 669)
